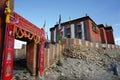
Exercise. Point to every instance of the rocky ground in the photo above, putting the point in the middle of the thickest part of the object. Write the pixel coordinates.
(22, 75)
(20, 71)
(78, 63)
(86, 64)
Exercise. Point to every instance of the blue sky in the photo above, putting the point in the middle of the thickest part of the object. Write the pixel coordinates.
(101, 11)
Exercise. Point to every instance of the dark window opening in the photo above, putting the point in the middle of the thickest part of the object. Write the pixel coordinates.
(94, 28)
(68, 36)
(80, 35)
(67, 32)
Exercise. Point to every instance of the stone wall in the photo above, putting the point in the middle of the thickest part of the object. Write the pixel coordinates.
(77, 48)
(52, 55)
(68, 42)
(20, 53)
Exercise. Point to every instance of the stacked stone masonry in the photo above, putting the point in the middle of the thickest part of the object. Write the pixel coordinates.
(55, 52)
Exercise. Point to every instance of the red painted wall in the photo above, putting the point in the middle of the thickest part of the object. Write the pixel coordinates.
(103, 35)
(110, 37)
(31, 57)
(26, 25)
(98, 35)
(87, 25)
(52, 34)
(91, 35)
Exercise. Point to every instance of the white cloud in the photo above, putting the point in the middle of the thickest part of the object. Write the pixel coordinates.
(117, 40)
(116, 25)
(116, 28)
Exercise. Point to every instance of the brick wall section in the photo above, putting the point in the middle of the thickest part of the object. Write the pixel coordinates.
(110, 37)
(94, 35)
(52, 33)
(54, 53)
(31, 57)
(83, 43)
(20, 53)
(45, 59)
(51, 57)
(103, 35)
(88, 30)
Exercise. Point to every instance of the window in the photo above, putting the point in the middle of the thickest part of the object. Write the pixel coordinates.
(78, 31)
(67, 32)
(79, 28)
(94, 27)
(68, 36)
(80, 35)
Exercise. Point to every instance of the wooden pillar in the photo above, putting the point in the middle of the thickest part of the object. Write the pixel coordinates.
(41, 56)
(41, 61)
(45, 59)
(31, 57)
(8, 55)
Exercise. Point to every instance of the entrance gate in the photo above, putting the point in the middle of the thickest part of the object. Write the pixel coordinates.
(13, 26)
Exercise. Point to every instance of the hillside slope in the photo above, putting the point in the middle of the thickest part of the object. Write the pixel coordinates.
(80, 63)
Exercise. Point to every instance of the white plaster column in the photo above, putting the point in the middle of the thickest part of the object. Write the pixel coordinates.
(82, 27)
(55, 35)
(63, 29)
(72, 31)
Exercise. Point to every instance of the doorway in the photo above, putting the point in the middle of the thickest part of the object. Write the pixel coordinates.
(20, 64)
(24, 60)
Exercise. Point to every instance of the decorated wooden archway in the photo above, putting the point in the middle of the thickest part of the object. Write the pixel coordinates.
(13, 26)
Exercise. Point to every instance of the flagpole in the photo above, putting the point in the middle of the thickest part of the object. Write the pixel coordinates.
(59, 30)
